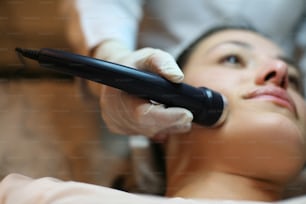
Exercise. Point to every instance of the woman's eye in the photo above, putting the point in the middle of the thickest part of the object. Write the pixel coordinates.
(233, 60)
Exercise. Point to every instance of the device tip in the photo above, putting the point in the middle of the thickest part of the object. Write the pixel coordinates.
(33, 54)
(18, 49)
(224, 112)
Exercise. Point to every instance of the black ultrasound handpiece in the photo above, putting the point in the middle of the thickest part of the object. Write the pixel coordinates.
(208, 107)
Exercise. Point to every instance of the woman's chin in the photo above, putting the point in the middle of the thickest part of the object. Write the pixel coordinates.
(273, 142)
(267, 145)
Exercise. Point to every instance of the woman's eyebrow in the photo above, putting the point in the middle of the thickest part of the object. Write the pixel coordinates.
(234, 42)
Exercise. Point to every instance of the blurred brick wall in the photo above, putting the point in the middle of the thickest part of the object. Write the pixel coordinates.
(30, 24)
(48, 126)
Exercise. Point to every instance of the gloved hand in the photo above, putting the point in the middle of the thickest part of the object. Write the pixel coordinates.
(127, 114)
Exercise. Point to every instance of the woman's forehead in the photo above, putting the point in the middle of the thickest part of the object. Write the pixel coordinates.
(244, 38)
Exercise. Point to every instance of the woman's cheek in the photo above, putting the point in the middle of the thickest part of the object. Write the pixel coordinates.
(301, 109)
(204, 77)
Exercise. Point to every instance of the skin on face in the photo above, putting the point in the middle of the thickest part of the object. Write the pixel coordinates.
(263, 137)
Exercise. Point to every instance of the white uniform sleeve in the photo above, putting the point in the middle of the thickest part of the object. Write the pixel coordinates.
(104, 19)
(81, 193)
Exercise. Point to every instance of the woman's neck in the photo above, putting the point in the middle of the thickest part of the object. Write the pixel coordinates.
(222, 185)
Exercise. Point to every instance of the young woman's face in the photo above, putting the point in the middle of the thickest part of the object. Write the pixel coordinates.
(264, 134)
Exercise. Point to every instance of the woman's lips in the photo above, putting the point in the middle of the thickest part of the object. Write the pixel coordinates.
(275, 94)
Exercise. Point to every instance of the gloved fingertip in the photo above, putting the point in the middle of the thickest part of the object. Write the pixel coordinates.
(187, 117)
(178, 128)
(173, 74)
(176, 78)
(178, 115)
(184, 127)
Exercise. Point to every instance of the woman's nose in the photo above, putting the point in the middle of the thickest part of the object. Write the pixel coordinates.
(273, 72)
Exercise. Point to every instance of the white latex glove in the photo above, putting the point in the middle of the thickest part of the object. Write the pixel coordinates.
(127, 114)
